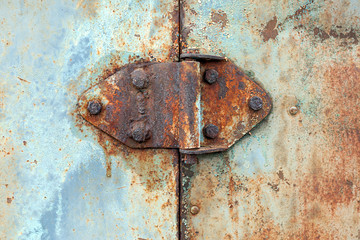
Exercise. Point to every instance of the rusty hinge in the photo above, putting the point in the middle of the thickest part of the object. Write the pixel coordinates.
(200, 105)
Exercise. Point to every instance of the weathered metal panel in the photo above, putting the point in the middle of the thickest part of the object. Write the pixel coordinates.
(60, 178)
(294, 176)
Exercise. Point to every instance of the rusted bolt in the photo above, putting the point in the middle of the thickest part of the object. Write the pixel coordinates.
(211, 76)
(194, 210)
(293, 110)
(94, 107)
(211, 131)
(139, 78)
(140, 134)
(255, 103)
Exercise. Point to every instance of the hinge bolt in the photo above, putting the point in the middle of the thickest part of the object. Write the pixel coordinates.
(255, 103)
(139, 78)
(194, 210)
(211, 131)
(94, 107)
(211, 76)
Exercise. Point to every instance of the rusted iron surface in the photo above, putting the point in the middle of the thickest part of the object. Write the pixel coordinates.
(162, 114)
(53, 164)
(295, 176)
(158, 105)
(225, 104)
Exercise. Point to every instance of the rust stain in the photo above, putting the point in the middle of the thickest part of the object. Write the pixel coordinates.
(300, 12)
(270, 31)
(153, 169)
(23, 80)
(332, 179)
(89, 7)
(219, 17)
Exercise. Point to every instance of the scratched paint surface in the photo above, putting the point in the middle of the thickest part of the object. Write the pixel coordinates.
(53, 165)
(293, 177)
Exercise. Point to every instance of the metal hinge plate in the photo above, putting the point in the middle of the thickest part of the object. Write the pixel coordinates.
(196, 106)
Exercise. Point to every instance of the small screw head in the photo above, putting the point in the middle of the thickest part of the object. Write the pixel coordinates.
(255, 103)
(140, 134)
(211, 131)
(139, 78)
(194, 210)
(94, 107)
(293, 110)
(211, 76)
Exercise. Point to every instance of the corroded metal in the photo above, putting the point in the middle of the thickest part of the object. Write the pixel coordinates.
(60, 179)
(293, 176)
(166, 114)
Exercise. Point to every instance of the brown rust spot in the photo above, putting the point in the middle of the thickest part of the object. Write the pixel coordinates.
(348, 37)
(219, 17)
(270, 31)
(9, 199)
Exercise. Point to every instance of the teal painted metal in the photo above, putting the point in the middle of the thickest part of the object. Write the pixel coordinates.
(295, 176)
(60, 178)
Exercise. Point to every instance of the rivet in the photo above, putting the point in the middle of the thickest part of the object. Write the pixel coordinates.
(140, 134)
(94, 107)
(194, 210)
(255, 103)
(211, 131)
(139, 78)
(211, 76)
(293, 110)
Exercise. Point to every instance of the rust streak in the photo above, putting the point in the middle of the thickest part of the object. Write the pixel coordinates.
(23, 80)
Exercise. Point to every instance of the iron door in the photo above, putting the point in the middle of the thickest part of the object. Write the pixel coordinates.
(60, 177)
(295, 175)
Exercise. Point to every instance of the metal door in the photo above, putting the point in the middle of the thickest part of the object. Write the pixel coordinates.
(60, 177)
(294, 176)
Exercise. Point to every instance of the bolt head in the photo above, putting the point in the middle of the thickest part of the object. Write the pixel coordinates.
(255, 103)
(211, 76)
(211, 131)
(194, 210)
(94, 107)
(140, 134)
(293, 110)
(139, 78)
